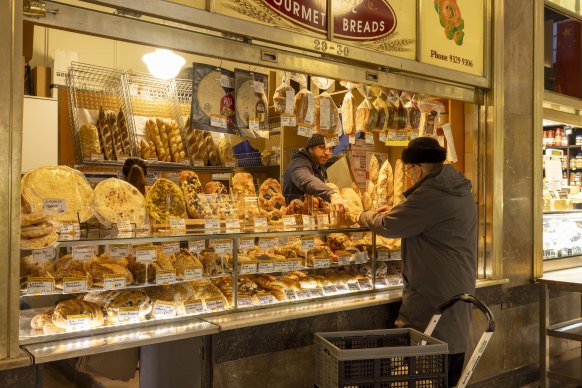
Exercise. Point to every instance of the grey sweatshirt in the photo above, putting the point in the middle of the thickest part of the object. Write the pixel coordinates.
(304, 176)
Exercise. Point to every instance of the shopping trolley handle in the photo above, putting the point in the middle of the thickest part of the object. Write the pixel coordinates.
(468, 298)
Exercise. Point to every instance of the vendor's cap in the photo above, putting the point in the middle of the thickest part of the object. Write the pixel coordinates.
(424, 150)
(315, 140)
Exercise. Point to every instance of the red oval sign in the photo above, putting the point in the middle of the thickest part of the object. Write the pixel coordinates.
(353, 19)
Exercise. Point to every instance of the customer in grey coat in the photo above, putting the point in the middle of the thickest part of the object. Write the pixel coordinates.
(438, 226)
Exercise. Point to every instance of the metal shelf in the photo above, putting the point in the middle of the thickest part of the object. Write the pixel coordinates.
(570, 330)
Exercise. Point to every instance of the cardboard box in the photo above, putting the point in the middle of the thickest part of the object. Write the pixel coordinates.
(27, 40)
(41, 81)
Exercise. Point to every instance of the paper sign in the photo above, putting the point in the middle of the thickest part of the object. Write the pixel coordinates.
(70, 228)
(128, 314)
(323, 219)
(266, 243)
(118, 250)
(343, 260)
(304, 131)
(54, 205)
(381, 283)
(83, 253)
(222, 247)
(290, 294)
(113, 281)
(383, 255)
(218, 121)
(331, 142)
(232, 223)
(226, 81)
(330, 290)
(169, 248)
(289, 101)
(244, 301)
(177, 223)
(369, 139)
(265, 266)
(211, 223)
(354, 287)
(294, 265)
(260, 223)
(196, 246)
(280, 266)
(146, 254)
(288, 120)
(123, 226)
(164, 310)
(266, 299)
(342, 288)
(43, 255)
(74, 285)
(364, 284)
(246, 244)
(214, 304)
(396, 255)
(289, 221)
(382, 137)
(248, 268)
(193, 306)
(40, 286)
(307, 244)
(321, 263)
(254, 125)
(193, 273)
(78, 322)
(316, 292)
(165, 276)
(307, 220)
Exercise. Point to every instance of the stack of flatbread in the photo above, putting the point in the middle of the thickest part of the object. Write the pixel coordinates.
(115, 200)
(35, 231)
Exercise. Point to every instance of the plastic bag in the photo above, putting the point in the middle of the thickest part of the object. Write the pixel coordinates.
(283, 99)
(366, 117)
(349, 113)
(326, 120)
(304, 107)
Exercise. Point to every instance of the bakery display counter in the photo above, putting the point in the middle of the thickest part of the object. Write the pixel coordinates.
(562, 234)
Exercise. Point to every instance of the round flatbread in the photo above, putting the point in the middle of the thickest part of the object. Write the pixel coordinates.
(165, 200)
(27, 219)
(210, 93)
(61, 191)
(115, 200)
(39, 243)
(246, 101)
(35, 231)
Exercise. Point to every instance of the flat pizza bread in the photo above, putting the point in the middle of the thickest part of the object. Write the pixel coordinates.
(62, 192)
(115, 200)
(165, 200)
(210, 93)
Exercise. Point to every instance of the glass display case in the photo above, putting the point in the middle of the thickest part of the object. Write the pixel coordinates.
(562, 234)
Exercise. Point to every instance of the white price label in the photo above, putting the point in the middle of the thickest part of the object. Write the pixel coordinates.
(193, 306)
(169, 248)
(259, 87)
(307, 220)
(177, 223)
(211, 223)
(248, 268)
(143, 255)
(196, 246)
(266, 243)
(70, 228)
(310, 109)
(222, 247)
(40, 286)
(289, 221)
(118, 250)
(197, 163)
(128, 314)
(43, 255)
(152, 160)
(354, 287)
(307, 244)
(290, 294)
(246, 244)
(265, 266)
(293, 239)
(74, 285)
(288, 120)
(244, 301)
(78, 322)
(352, 139)
(323, 219)
(357, 236)
(70, 237)
(266, 299)
(331, 142)
(321, 263)
(324, 116)
(280, 266)
(113, 281)
(382, 137)
(164, 310)
(260, 222)
(97, 158)
(226, 81)
(316, 293)
(304, 131)
(289, 101)
(254, 125)
(294, 265)
(303, 294)
(184, 162)
(218, 121)
(83, 253)
(214, 304)
(343, 260)
(396, 255)
(330, 290)
(342, 288)
(369, 139)
(123, 226)
(193, 273)
(165, 277)
(383, 255)
(364, 284)
(54, 205)
(232, 223)
(381, 283)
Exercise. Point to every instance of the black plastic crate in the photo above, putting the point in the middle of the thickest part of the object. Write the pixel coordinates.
(380, 358)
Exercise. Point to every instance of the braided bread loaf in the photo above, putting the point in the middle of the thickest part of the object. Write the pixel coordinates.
(105, 135)
(117, 147)
(124, 133)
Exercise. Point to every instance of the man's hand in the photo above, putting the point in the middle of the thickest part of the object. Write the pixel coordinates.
(383, 209)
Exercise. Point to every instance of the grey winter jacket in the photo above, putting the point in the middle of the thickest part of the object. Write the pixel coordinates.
(438, 227)
(304, 176)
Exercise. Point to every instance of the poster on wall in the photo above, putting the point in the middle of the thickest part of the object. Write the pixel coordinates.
(387, 26)
(452, 34)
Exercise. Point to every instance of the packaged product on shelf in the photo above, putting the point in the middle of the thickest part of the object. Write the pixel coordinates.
(283, 98)
(383, 113)
(326, 118)
(114, 200)
(412, 112)
(384, 194)
(213, 103)
(304, 107)
(165, 200)
(349, 113)
(366, 116)
(251, 102)
(397, 119)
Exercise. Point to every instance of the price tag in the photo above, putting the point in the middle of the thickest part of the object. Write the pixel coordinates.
(70, 228)
(316, 293)
(369, 139)
(248, 267)
(193, 306)
(352, 139)
(246, 244)
(343, 260)
(78, 322)
(40, 286)
(303, 294)
(381, 283)
(280, 266)
(323, 219)
(193, 273)
(289, 101)
(357, 236)
(321, 263)
(265, 266)
(211, 223)
(197, 163)
(230, 164)
(232, 223)
(259, 87)
(383, 255)
(331, 142)
(74, 285)
(152, 160)
(54, 205)
(330, 290)
(165, 276)
(254, 125)
(97, 158)
(364, 284)
(222, 247)
(354, 286)
(382, 137)
(266, 243)
(266, 299)
(260, 223)
(288, 120)
(43, 255)
(123, 226)
(396, 255)
(169, 248)
(164, 310)
(244, 301)
(184, 162)
(177, 223)
(226, 81)
(128, 314)
(307, 244)
(293, 239)
(196, 246)
(146, 254)
(289, 221)
(118, 250)
(304, 131)
(214, 304)
(113, 281)
(342, 288)
(324, 116)
(218, 121)
(290, 294)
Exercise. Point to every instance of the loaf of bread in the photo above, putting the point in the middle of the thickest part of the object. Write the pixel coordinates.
(385, 186)
(399, 182)
(366, 117)
(145, 150)
(353, 203)
(89, 137)
(349, 113)
(175, 141)
(271, 196)
(225, 150)
(326, 120)
(183, 260)
(243, 185)
(124, 133)
(153, 134)
(116, 135)
(165, 140)
(280, 97)
(304, 107)
(77, 307)
(374, 169)
(383, 114)
(105, 135)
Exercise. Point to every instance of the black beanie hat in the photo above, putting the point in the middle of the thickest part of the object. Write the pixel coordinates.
(424, 150)
(315, 140)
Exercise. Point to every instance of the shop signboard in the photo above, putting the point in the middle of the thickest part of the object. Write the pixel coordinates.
(452, 34)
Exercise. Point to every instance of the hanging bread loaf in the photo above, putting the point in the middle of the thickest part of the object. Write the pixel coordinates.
(326, 120)
(385, 186)
(280, 98)
(399, 182)
(304, 107)
(117, 147)
(366, 116)
(105, 134)
(89, 137)
(124, 133)
(349, 113)
(382, 109)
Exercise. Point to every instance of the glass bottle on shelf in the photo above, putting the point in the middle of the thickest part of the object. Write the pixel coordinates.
(550, 138)
(558, 137)
(572, 162)
(579, 160)
(565, 138)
